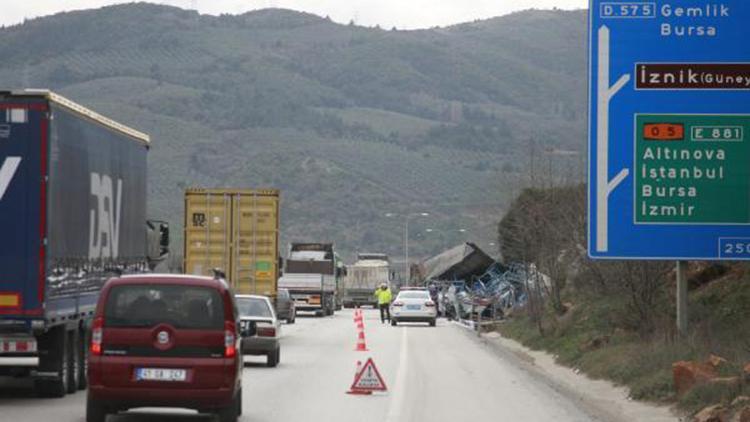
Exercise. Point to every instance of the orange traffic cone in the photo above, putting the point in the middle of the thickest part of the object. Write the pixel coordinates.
(360, 325)
(356, 374)
(361, 345)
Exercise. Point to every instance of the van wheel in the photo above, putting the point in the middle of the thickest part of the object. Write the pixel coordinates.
(432, 323)
(393, 322)
(231, 412)
(53, 358)
(272, 359)
(95, 412)
(73, 362)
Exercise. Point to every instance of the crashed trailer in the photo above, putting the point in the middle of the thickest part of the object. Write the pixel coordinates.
(462, 262)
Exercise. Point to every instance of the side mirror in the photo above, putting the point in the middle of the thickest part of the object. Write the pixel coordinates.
(164, 238)
(157, 241)
(247, 328)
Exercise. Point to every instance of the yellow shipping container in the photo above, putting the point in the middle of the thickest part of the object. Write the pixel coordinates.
(237, 231)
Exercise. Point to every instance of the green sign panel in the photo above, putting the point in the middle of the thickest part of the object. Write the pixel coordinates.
(692, 169)
(262, 266)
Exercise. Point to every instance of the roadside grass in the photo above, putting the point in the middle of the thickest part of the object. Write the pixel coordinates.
(708, 394)
(589, 337)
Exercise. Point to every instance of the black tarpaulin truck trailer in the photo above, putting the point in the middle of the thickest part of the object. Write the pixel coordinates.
(72, 215)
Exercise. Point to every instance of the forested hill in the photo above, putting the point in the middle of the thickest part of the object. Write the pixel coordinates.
(349, 122)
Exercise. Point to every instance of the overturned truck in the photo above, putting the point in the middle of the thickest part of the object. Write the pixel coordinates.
(473, 283)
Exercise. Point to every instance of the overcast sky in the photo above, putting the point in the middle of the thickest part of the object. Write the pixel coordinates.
(405, 14)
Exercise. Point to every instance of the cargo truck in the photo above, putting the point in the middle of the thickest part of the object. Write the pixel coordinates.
(311, 275)
(234, 231)
(370, 271)
(72, 215)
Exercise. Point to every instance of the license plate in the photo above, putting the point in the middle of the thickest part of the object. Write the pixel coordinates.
(160, 374)
(413, 307)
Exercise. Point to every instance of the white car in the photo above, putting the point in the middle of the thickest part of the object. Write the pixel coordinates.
(413, 306)
(259, 327)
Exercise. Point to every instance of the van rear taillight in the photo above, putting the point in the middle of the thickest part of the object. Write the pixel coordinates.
(266, 331)
(97, 332)
(230, 339)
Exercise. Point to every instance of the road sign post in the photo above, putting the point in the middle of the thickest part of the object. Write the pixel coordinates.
(670, 138)
(682, 298)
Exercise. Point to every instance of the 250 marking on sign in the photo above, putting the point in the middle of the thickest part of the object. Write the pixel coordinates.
(734, 247)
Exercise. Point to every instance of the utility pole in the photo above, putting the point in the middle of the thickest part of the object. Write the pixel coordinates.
(406, 238)
(406, 251)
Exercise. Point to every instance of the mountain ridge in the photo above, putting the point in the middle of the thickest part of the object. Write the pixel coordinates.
(350, 122)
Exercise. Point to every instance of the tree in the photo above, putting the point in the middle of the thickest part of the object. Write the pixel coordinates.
(546, 227)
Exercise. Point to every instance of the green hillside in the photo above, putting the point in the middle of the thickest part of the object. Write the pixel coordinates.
(350, 122)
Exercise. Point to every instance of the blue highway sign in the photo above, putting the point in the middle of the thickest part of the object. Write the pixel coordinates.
(669, 130)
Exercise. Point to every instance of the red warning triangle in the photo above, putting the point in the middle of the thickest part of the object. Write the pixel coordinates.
(368, 379)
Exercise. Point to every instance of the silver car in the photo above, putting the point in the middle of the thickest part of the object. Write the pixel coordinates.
(413, 306)
(260, 328)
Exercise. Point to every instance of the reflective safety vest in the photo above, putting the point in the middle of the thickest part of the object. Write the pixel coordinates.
(384, 296)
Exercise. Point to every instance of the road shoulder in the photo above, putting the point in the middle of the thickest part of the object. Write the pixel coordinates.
(601, 399)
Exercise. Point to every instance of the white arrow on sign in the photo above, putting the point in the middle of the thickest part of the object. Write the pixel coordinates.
(7, 171)
(604, 186)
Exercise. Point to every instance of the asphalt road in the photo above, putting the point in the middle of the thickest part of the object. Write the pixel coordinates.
(433, 374)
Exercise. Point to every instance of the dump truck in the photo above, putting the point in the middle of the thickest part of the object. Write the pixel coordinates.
(311, 275)
(73, 208)
(370, 271)
(234, 232)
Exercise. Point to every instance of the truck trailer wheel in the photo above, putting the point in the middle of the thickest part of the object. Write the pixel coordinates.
(53, 364)
(73, 362)
(83, 350)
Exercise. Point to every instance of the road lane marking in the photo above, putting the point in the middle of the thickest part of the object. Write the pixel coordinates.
(397, 393)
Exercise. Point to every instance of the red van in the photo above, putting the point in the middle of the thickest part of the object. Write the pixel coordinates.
(165, 341)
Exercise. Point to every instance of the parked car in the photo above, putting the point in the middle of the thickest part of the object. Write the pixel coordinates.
(413, 306)
(285, 307)
(165, 341)
(260, 328)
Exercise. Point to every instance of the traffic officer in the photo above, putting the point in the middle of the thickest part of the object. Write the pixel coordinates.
(384, 302)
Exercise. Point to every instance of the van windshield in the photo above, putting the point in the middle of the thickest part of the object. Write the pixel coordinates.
(186, 307)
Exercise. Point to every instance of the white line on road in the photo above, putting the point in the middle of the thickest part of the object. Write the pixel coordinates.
(397, 393)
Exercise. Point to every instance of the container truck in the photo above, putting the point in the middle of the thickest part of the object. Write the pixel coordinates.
(370, 271)
(72, 215)
(234, 231)
(311, 275)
